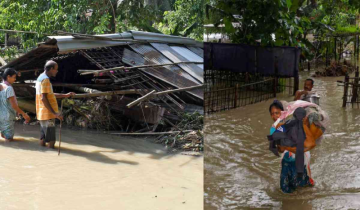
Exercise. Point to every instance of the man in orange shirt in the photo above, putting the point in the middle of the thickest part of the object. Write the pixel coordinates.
(47, 109)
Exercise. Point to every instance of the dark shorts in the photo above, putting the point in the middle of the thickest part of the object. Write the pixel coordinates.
(47, 130)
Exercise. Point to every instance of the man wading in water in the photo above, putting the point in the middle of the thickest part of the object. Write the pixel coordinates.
(46, 105)
(301, 94)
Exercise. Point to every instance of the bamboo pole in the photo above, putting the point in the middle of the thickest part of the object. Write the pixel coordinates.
(109, 93)
(29, 70)
(145, 97)
(150, 134)
(86, 72)
(62, 103)
(63, 85)
(346, 86)
(179, 90)
(355, 89)
(26, 32)
(153, 93)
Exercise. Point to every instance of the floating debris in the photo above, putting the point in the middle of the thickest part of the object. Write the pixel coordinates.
(336, 69)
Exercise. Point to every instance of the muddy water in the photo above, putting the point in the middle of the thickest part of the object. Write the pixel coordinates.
(241, 173)
(96, 171)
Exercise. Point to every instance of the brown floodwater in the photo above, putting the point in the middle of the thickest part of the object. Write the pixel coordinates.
(96, 171)
(241, 173)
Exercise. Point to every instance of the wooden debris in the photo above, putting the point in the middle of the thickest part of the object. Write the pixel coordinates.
(335, 70)
(152, 93)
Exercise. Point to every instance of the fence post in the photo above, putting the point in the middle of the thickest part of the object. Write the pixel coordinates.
(346, 86)
(355, 43)
(326, 56)
(335, 49)
(355, 86)
(236, 95)
(356, 53)
(276, 76)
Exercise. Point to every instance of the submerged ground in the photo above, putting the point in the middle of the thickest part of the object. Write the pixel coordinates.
(96, 171)
(241, 173)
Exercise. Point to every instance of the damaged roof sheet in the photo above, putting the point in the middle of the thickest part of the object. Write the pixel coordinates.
(152, 55)
(197, 50)
(186, 53)
(134, 59)
(194, 70)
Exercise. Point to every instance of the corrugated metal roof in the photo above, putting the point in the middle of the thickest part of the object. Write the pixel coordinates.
(140, 35)
(174, 56)
(134, 59)
(154, 56)
(197, 50)
(186, 53)
(70, 43)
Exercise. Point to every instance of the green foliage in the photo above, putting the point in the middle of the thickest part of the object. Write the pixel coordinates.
(99, 17)
(283, 22)
(186, 19)
(9, 52)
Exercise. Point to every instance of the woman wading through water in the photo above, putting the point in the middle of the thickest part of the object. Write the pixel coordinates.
(8, 105)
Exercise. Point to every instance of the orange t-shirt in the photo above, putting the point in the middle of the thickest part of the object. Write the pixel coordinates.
(43, 85)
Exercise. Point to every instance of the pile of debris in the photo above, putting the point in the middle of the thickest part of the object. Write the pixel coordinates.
(187, 135)
(137, 83)
(336, 69)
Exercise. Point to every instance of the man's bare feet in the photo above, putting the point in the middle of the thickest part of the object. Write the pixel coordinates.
(51, 145)
(42, 142)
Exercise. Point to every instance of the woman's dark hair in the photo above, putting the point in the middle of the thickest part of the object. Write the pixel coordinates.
(8, 72)
(276, 104)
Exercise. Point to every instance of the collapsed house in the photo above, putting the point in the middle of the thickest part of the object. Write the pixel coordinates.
(171, 63)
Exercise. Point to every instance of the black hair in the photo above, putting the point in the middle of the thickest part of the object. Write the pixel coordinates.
(49, 65)
(276, 104)
(8, 72)
(311, 80)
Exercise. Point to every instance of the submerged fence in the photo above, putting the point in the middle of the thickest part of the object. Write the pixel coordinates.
(239, 77)
(351, 90)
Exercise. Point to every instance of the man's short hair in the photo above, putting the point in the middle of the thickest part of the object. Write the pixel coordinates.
(311, 80)
(50, 64)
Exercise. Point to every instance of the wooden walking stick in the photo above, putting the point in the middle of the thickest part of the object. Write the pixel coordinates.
(62, 102)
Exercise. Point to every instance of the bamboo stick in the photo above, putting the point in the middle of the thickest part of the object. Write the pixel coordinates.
(152, 93)
(62, 103)
(150, 134)
(29, 70)
(109, 93)
(27, 32)
(63, 85)
(141, 99)
(86, 72)
(179, 90)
